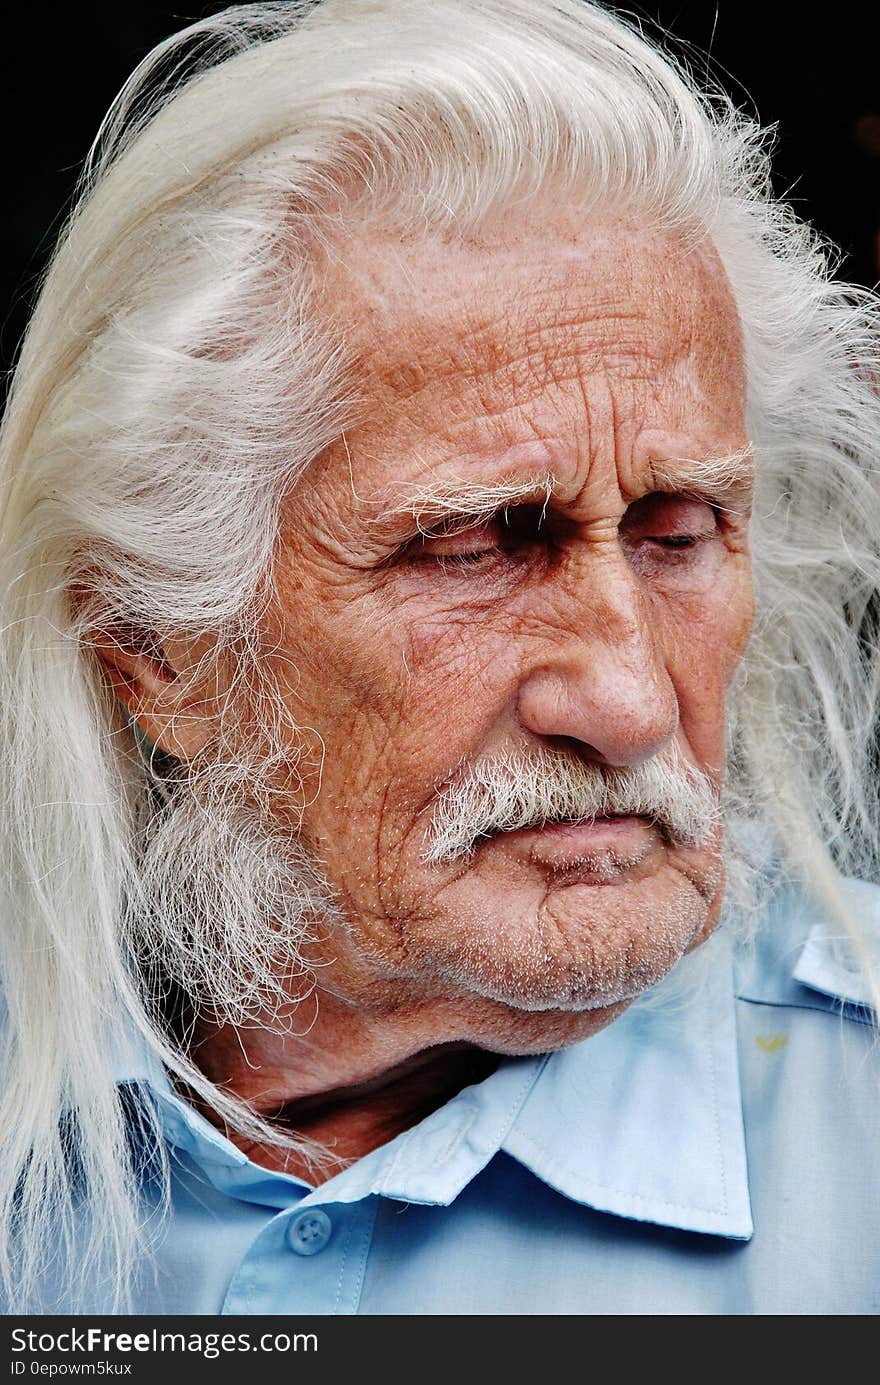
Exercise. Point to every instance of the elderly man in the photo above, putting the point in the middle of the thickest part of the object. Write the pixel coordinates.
(439, 546)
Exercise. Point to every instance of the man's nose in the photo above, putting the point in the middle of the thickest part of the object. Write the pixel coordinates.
(600, 675)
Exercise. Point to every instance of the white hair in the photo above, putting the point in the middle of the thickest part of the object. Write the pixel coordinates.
(175, 382)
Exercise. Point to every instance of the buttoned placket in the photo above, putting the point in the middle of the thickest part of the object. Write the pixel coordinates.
(312, 1256)
(309, 1259)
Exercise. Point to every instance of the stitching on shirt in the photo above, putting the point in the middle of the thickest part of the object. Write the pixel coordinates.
(405, 1144)
(507, 1120)
(563, 1169)
(244, 1269)
(348, 1234)
(719, 1148)
(833, 1006)
(369, 1221)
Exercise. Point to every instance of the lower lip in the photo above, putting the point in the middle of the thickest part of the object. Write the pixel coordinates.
(558, 842)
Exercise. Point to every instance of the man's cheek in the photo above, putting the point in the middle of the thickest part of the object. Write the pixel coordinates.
(359, 753)
(479, 640)
(729, 614)
(739, 639)
(697, 667)
(710, 632)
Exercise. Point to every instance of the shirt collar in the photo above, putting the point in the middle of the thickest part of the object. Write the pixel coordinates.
(801, 958)
(643, 1120)
(828, 962)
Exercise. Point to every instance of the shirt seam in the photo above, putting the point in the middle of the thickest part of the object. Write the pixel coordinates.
(834, 1008)
(565, 1170)
(349, 1232)
(719, 1143)
(368, 1216)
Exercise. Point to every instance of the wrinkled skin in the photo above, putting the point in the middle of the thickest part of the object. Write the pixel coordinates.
(609, 623)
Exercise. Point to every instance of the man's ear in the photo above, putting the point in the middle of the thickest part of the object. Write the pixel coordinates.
(163, 685)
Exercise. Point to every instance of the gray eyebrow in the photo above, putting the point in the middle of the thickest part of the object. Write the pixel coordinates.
(712, 478)
(454, 496)
(717, 479)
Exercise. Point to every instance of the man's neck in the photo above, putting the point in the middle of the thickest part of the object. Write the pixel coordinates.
(358, 1069)
(351, 1121)
(348, 1084)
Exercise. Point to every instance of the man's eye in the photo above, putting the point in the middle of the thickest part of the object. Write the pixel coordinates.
(468, 542)
(672, 522)
(463, 543)
(680, 541)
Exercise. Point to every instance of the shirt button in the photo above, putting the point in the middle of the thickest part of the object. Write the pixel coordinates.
(309, 1232)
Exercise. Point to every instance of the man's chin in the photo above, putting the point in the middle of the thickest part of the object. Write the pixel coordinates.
(583, 944)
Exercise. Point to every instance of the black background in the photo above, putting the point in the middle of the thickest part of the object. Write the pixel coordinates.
(817, 79)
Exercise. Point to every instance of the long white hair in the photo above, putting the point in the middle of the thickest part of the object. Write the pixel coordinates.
(174, 383)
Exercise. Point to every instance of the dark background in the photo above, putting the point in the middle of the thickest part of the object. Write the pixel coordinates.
(818, 81)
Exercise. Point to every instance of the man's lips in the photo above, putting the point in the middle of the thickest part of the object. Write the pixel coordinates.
(626, 836)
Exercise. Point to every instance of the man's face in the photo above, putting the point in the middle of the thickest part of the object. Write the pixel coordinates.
(598, 615)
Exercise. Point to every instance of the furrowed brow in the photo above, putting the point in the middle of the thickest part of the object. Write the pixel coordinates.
(458, 498)
(725, 481)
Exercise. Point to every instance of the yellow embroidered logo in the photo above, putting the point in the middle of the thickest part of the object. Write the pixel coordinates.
(771, 1043)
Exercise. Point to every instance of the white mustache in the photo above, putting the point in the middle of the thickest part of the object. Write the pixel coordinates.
(538, 788)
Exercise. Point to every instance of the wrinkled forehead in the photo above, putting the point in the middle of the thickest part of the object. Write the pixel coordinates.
(529, 301)
(538, 344)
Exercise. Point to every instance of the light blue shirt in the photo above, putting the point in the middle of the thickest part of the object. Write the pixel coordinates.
(717, 1156)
